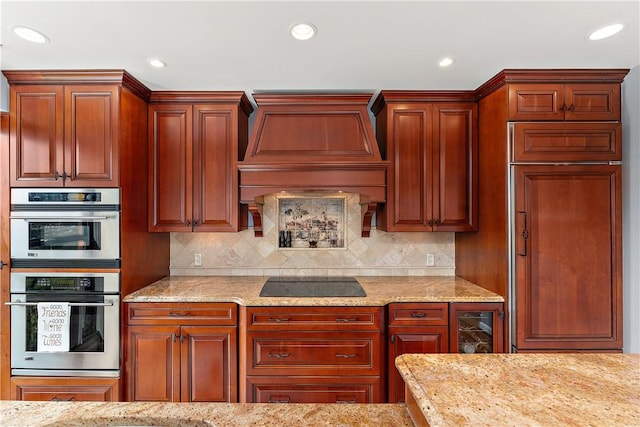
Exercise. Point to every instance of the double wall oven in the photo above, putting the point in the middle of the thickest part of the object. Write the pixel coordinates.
(65, 249)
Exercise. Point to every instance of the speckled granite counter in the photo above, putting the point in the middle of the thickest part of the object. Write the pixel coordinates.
(522, 389)
(245, 290)
(67, 414)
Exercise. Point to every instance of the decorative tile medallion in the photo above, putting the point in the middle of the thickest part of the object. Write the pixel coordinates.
(311, 222)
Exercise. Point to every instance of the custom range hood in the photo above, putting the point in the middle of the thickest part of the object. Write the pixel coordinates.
(312, 142)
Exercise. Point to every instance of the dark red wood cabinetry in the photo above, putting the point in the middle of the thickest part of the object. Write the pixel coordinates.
(432, 148)
(68, 132)
(414, 328)
(65, 389)
(180, 352)
(195, 140)
(550, 190)
(312, 354)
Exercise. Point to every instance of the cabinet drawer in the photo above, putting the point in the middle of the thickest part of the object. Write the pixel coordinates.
(314, 354)
(182, 313)
(566, 141)
(65, 389)
(314, 318)
(418, 314)
(314, 390)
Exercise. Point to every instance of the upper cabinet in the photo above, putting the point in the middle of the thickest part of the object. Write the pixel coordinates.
(195, 140)
(430, 140)
(66, 127)
(571, 101)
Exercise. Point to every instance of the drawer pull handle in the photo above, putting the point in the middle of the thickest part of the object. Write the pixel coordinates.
(279, 355)
(346, 319)
(346, 355)
(419, 315)
(346, 401)
(284, 400)
(176, 314)
(62, 399)
(278, 319)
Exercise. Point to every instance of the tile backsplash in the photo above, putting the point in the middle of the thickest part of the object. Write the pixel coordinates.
(382, 254)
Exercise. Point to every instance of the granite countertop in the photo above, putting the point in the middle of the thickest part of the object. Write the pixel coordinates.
(546, 389)
(67, 414)
(245, 290)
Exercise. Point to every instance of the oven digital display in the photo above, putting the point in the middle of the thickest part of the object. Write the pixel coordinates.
(69, 284)
(64, 197)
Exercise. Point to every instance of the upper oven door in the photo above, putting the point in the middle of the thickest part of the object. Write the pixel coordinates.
(66, 235)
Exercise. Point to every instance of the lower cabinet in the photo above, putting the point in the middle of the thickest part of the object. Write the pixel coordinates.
(66, 389)
(414, 328)
(312, 354)
(181, 352)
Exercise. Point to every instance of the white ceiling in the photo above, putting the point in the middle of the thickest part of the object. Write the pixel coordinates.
(360, 46)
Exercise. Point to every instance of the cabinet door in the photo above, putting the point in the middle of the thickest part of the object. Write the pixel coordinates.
(455, 147)
(91, 136)
(568, 262)
(36, 135)
(170, 167)
(153, 363)
(425, 339)
(410, 182)
(592, 101)
(208, 364)
(65, 389)
(536, 102)
(215, 193)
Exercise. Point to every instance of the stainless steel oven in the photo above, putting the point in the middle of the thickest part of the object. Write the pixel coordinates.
(93, 325)
(65, 228)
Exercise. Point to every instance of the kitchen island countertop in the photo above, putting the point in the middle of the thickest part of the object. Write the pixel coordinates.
(546, 389)
(67, 414)
(245, 290)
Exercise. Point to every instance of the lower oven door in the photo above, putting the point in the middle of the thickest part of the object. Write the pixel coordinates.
(94, 336)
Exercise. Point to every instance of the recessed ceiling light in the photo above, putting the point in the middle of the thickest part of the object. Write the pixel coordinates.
(303, 31)
(158, 63)
(446, 61)
(30, 34)
(607, 31)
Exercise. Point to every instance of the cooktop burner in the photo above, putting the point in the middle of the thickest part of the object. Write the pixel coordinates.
(312, 287)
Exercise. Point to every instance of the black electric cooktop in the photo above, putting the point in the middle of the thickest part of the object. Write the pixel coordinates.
(312, 287)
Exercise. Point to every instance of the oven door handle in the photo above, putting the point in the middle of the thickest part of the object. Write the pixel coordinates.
(72, 304)
(58, 218)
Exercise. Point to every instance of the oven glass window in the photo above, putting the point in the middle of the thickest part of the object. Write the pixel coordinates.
(65, 235)
(86, 329)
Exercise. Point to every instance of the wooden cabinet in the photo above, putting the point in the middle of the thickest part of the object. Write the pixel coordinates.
(65, 389)
(571, 101)
(414, 328)
(181, 352)
(432, 148)
(67, 128)
(568, 241)
(195, 140)
(476, 327)
(312, 354)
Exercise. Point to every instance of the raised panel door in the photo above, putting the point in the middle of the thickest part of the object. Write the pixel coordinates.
(36, 136)
(215, 182)
(423, 339)
(153, 363)
(536, 101)
(170, 167)
(208, 364)
(410, 181)
(455, 146)
(568, 261)
(91, 136)
(592, 101)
